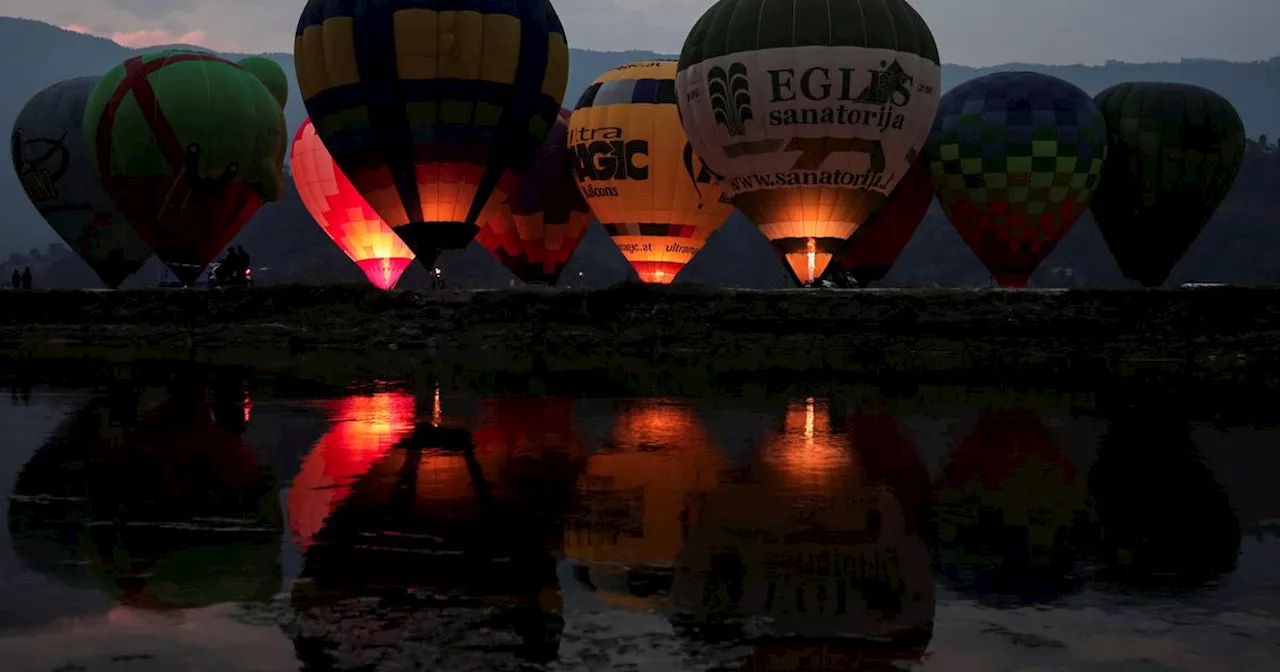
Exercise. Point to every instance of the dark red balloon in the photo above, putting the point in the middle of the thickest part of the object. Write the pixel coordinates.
(873, 249)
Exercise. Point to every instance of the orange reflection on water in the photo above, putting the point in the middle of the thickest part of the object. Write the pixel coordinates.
(524, 447)
(806, 452)
(437, 413)
(634, 500)
(817, 537)
(365, 428)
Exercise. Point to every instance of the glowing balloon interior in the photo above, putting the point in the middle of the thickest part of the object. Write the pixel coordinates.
(343, 213)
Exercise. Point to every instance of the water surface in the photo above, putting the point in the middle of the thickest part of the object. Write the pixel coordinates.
(202, 527)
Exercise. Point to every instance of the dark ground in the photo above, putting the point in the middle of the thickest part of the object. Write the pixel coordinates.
(673, 340)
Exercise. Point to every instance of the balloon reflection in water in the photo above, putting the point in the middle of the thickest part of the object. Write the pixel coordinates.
(166, 508)
(1165, 526)
(470, 528)
(806, 453)
(365, 428)
(1012, 512)
(632, 505)
(806, 567)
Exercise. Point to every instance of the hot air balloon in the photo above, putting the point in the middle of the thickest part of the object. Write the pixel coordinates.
(642, 178)
(343, 213)
(58, 176)
(432, 107)
(1015, 158)
(812, 112)
(189, 146)
(874, 247)
(537, 233)
(1174, 151)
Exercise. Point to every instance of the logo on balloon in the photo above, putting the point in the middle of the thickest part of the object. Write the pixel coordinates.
(731, 97)
(603, 154)
(40, 173)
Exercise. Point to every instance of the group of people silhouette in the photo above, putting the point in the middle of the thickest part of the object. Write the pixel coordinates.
(237, 258)
(21, 280)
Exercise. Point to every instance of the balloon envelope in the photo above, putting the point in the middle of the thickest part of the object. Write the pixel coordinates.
(343, 213)
(429, 106)
(812, 110)
(56, 173)
(645, 183)
(1015, 158)
(538, 232)
(189, 146)
(875, 246)
(1174, 151)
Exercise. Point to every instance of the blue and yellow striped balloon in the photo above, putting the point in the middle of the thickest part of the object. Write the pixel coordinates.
(432, 107)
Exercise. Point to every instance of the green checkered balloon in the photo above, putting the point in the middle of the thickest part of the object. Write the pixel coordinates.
(1174, 152)
(1015, 158)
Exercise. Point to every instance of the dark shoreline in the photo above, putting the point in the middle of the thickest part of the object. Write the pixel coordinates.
(666, 340)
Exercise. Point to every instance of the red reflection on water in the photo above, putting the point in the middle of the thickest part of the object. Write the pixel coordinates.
(525, 444)
(172, 482)
(525, 447)
(184, 445)
(1006, 448)
(1009, 504)
(365, 428)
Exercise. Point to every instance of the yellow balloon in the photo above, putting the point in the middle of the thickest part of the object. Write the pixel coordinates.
(635, 166)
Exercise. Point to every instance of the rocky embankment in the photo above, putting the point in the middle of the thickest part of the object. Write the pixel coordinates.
(671, 339)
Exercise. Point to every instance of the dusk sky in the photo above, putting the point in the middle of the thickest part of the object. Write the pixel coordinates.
(970, 32)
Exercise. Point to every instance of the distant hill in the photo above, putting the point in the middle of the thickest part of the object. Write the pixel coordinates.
(34, 55)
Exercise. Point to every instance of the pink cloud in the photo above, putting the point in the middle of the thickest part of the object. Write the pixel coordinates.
(146, 38)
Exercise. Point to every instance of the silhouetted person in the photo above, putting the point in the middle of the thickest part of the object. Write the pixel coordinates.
(26, 278)
(17, 279)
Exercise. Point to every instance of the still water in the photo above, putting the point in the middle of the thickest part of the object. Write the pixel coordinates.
(196, 528)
